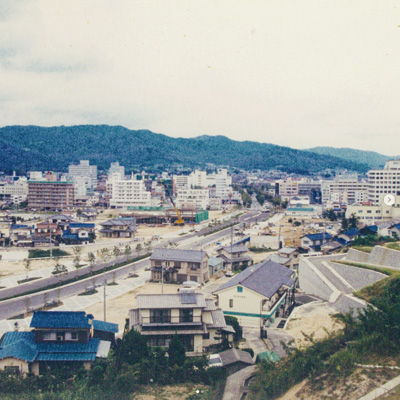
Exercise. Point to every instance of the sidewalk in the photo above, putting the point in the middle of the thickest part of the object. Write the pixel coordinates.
(77, 303)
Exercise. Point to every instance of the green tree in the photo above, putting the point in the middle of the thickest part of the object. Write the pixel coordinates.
(92, 261)
(27, 264)
(133, 348)
(353, 221)
(128, 250)
(176, 351)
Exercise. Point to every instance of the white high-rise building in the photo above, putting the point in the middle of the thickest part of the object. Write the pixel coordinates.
(36, 175)
(346, 189)
(223, 183)
(84, 169)
(384, 181)
(115, 168)
(130, 193)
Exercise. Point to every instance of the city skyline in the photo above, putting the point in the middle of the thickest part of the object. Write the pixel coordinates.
(299, 75)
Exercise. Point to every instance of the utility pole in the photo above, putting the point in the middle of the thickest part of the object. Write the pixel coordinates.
(162, 278)
(105, 295)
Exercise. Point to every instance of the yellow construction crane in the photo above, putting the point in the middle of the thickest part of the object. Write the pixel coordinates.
(179, 221)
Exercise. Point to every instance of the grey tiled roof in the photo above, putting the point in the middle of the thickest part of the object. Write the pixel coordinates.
(159, 301)
(178, 255)
(265, 278)
(218, 319)
(235, 249)
(235, 355)
(287, 250)
(278, 259)
(210, 305)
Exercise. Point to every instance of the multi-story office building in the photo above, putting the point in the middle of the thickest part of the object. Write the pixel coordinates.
(345, 189)
(223, 183)
(15, 192)
(84, 169)
(193, 198)
(384, 181)
(130, 193)
(50, 195)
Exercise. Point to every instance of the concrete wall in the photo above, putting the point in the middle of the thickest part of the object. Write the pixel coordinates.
(379, 256)
(384, 256)
(357, 256)
(311, 282)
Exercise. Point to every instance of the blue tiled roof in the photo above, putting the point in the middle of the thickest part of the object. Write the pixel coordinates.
(21, 345)
(318, 236)
(342, 241)
(397, 226)
(60, 319)
(105, 326)
(80, 225)
(20, 349)
(372, 228)
(19, 226)
(352, 232)
(66, 357)
(265, 278)
(12, 337)
(68, 235)
(68, 347)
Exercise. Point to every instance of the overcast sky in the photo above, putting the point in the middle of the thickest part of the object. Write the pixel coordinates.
(299, 73)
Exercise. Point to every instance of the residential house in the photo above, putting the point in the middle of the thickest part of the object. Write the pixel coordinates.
(87, 215)
(21, 235)
(259, 294)
(79, 233)
(349, 235)
(314, 241)
(395, 231)
(215, 265)
(291, 257)
(369, 230)
(119, 228)
(63, 221)
(66, 338)
(236, 256)
(179, 265)
(197, 321)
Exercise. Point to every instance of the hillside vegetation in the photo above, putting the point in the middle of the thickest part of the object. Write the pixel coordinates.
(330, 365)
(39, 148)
(371, 158)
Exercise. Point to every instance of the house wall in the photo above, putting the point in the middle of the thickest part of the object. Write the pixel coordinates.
(198, 344)
(14, 362)
(246, 305)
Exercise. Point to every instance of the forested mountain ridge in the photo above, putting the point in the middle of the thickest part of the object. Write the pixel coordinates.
(54, 148)
(371, 158)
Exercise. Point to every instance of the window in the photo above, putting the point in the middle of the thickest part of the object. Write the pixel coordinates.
(230, 303)
(71, 336)
(160, 316)
(186, 315)
(49, 336)
(239, 289)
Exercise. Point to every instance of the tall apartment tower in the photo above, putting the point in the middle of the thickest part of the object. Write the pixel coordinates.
(50, 195)
(84, 169)
(384, 181)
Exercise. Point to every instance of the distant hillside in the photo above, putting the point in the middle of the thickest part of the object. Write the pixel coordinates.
(39, 148)
(371, 158)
